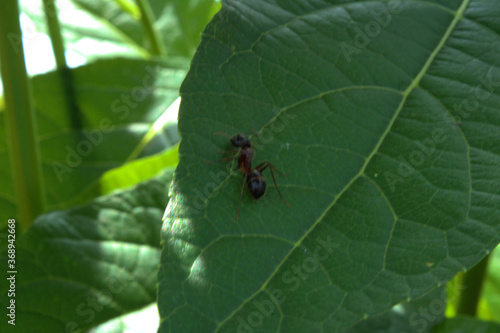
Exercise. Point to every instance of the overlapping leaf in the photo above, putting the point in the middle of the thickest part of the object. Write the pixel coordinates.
(84, 266)
(464, 325)
(384, 116)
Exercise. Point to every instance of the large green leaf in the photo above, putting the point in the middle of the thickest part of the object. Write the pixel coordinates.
(119, 101)
(84, 266)
(385, 117)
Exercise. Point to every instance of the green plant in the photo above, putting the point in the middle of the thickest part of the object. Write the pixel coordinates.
(383, 115)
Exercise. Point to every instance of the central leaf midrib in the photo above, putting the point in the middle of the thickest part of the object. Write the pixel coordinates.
(458, 16)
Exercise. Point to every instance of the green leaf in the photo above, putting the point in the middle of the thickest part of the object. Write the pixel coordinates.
(417, 316)
(81, 267)
(181, 23)
(119, 102)
(389, 138)
(466, 325)
(140, 170)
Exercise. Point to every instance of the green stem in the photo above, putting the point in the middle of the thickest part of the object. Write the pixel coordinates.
(55, 33)
(67, 84)
(147, 19)
(20, 118)
(472, 283)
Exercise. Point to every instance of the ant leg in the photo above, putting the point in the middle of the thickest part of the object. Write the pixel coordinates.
(232, 151)
(261, 167)
(222, 133)
(241, 195)
(276, 185)
(225, 159)
(217, 162)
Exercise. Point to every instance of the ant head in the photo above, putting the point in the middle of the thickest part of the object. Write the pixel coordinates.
(256, 184)
(240, 140)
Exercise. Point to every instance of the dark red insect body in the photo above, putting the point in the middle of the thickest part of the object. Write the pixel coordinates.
(253, 178)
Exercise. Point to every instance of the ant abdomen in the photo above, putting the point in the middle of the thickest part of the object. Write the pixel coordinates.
(256, 184)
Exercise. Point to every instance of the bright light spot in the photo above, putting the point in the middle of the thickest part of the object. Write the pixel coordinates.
(37, 48)
(169, 116)
(74, 59)
(144, 320)
(399, 309)
(196, 276)
(178, 230)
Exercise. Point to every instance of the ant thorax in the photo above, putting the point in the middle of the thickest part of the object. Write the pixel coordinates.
(245, 160)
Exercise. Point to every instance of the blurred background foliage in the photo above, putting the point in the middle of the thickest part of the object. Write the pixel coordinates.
(105, 92)
(112, 48)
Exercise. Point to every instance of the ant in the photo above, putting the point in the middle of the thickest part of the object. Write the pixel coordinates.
(253, 178)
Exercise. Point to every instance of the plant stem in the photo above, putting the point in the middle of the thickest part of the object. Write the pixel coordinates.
(20, 118)
(472, 283)
(147, 19)
(65, 73)
(54, 33)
